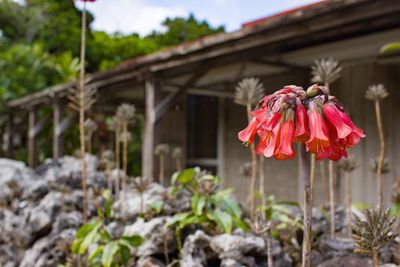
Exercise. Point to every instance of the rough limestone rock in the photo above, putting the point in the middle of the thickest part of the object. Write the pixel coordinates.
(15, 177)
(49, 251)
(149, 262)
(332, 248)
(156, 236)
(352, 260)
(196, 250)
(128, 206)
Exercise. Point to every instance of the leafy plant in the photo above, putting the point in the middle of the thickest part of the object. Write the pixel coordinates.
(371, 234)
(214, 210)
(108, 251)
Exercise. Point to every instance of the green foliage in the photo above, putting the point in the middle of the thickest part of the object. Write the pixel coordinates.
(391, 48)
(107, 252)
(278, 212)
(179, 30)
(371, 234)
(215, 211)
(27, 68)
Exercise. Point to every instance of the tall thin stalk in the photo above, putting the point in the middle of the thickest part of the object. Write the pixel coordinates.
(117, 156)
(82, 105)
(348, 201)
(248, 93)
(332, 199)
(312, 177)
(262, 181)
(253, 178)
(307, 242)
(377, 93)
(379, 181)
(124, 155)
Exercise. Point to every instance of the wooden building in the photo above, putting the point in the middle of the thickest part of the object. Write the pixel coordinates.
(186, 92)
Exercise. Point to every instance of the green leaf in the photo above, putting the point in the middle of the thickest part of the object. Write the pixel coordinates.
(75, 245)
(95, 253)
(89, 239)
(198, 204)
(108, 254)
(157, 206)
(391, 48)
(239, 223)
(125, 253)
(135, 240)
(86, 228)
(185, 176)
(178, 217)
(224, 220)
(232, 207)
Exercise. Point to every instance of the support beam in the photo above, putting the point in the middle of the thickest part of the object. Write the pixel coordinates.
(9, 136)
(58, 111)
(172, 98)
(151, 91)
(32, 120)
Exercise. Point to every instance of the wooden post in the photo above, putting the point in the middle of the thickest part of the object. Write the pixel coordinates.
(32, 118)
(148, 139)
(58, 111)
(10, 130)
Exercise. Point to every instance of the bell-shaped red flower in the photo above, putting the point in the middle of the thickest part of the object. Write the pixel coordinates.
(284, 148)
(301, 132)
(319, 135)
(293, 115)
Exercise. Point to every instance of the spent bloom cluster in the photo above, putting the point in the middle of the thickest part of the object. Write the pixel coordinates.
(312, 117)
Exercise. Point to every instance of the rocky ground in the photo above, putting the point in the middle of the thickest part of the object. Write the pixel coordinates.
(41, 211)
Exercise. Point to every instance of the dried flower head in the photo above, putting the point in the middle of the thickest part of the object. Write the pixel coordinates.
(107, 155)
(125, 113)
(396, 193)
(162, 149)
(349, 164)
(141, 184)
(245, 170)
(113, 123)
(177, 152)
(373, 166)
(376, 92)
(90, 126)
(249, 91)
(325, 71)
(373, 233)
(128, 136)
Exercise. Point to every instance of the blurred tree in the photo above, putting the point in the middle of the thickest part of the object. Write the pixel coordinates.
(105, 51)
(180, 29)
(28, 68)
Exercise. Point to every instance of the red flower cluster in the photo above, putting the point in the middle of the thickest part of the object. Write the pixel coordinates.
(293, 115)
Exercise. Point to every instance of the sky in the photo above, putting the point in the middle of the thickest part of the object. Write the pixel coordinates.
(144, 16)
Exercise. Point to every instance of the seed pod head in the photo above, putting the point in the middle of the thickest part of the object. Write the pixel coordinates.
(90, 125)
(125, 136)
(245, 170)
(373, 166)
(126, 113)
(396, 193)
(376, 92)
(325, 71)
(349, 164)
(249, 91)
(113, 124)
(162, 149)
(177, 152)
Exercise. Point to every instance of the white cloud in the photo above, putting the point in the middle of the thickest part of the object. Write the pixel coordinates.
(130, 16)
